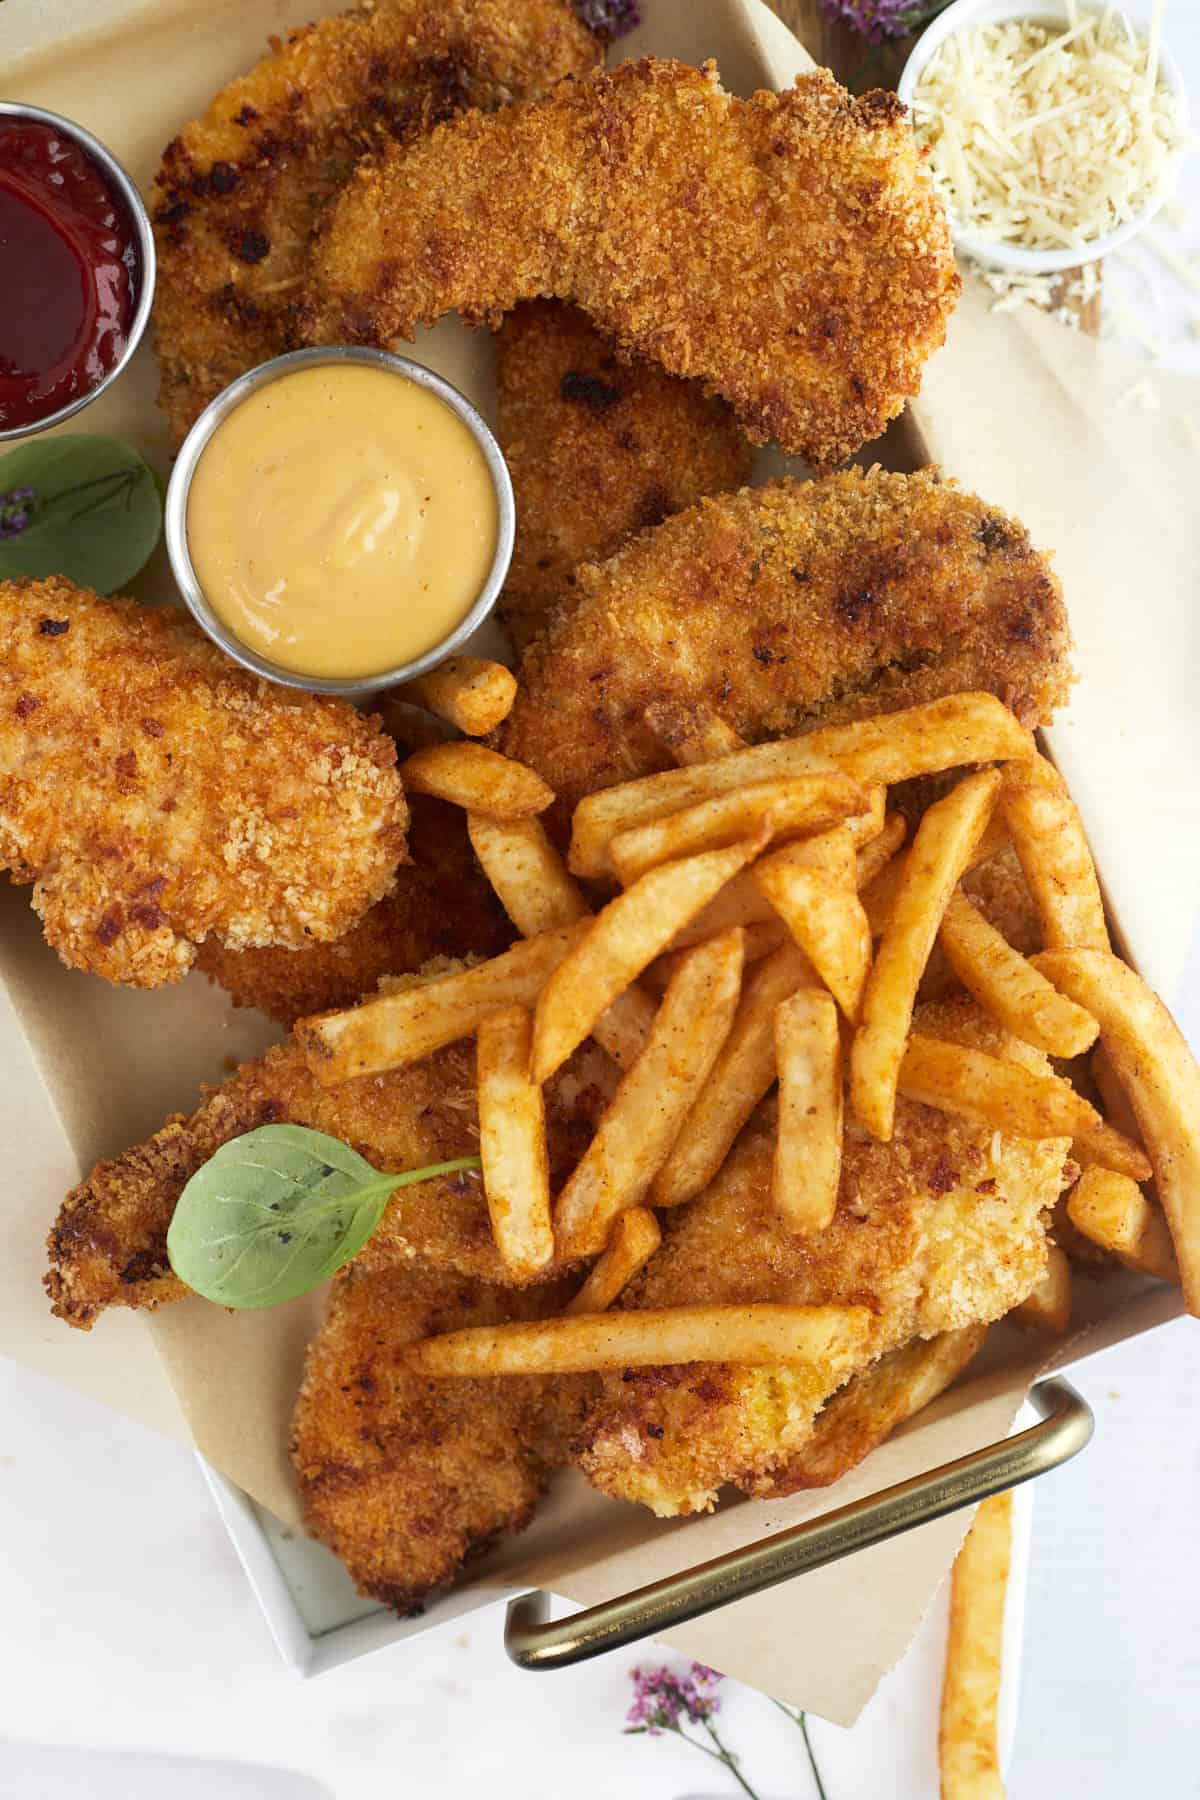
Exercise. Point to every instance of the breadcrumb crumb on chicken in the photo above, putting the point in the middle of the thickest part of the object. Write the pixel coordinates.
(787, 251)
(155, 795)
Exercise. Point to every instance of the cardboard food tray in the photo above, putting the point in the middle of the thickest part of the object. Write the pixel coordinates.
(90, 1068)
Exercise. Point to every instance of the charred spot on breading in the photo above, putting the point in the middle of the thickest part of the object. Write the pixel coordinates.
(594, 393)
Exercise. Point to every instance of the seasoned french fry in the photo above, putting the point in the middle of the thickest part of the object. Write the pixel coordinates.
(527, 873)
(947, 835)
(740, 1077)
(1007, 985)
(413, 1021)
(617, 945)
(479, 779)
(808, 1147)
(871, 1406)
(968, 1747)
(690, 731)
(989, 1090)
(879, 894)
(1048, 1307)
(635, 1238)
(633, 1138)
(1159, 1073)
(740, 903)
(811, 885)
(512, 1143)
(638, 1340)
(1112, 1211)
(923, 740)
(467, 691)
(1116, 1104)
(778, 809)
(879, 851)
(758, 940)
(1047, 833)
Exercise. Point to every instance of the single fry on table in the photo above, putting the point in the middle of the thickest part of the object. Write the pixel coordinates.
(808, 1146)
(478, 779)
(1006, 984)
(512, 1143)
(945, 839)
(1048, 1307)
(968, 1741)
(469, 692)
(636, 1133)
(1048, 836)
(811, 885)
(1112, 1211)
(635, 1238)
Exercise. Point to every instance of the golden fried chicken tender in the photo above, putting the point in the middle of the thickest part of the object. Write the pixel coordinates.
(405, 1477)
(242, 187)
(786, 607)
(597, 448)
(942, 1228)
(155, 795)
(786, 251)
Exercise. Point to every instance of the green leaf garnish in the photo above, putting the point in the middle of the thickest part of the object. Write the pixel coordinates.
(275, 1212)
(86, 507)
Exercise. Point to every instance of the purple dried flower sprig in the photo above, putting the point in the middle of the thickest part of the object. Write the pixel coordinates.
(665, 1698)
(16, 511)
(609, 19)
(877, 20)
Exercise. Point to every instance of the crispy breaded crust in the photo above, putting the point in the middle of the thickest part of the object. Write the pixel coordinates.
(787, 251)
(785, 607)
(156, 795)
(241, 188)
(596, 448)
(407, 1478)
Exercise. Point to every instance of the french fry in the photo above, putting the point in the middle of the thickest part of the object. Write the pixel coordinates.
(811, 885)
(740, 1077)
(618, 944)
(1160, 1075)
(635, 1135)
(1048, 1307)
(879, 895)
(777, 809)
(740, 903)
(1007, 985)
(527, 873)
(413, 1021)
(968, 1746)
(635, 1238)
(871, 1406)
(638, 1340)
(947, 835)
(467, 691)
(879, 851)
(808, 1147)
(690, 731)
(989, 1090)
(479, 779)
(1047, 833)
(1118, 1108)
(1112, 1211)
(758, 940)
(512, 1143)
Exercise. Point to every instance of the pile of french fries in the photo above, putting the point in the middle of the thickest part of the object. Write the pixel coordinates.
(770, 925)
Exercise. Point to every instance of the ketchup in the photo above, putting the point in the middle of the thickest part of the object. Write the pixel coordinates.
(69, 271)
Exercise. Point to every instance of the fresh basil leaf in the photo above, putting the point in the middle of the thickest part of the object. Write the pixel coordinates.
(275, 1212)
(94, 515)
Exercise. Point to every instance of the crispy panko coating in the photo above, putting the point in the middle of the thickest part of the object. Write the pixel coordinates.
(787, 251)
(441, 905)
(942, 1228)
(108, 1246)
(405, 1477)
(597, 449)
(785, 607)
(241, 188)
(156, 795)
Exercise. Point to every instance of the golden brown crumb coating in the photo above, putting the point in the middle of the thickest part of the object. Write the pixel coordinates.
(242, 187)
(597, 448)
(156, 795)
(786, 607)
(788, 251)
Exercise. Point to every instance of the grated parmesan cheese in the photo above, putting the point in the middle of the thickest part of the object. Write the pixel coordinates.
(1044, 138)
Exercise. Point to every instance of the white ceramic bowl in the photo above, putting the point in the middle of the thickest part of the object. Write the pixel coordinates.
(998, 255)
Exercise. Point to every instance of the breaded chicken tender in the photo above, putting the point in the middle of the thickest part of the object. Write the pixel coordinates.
(108, 1246)
(242, 187)
(941, 1228)
(441, 905)
(786, 607)
(786, 251)
(597, 449)
(155, 795)
(404, 1477)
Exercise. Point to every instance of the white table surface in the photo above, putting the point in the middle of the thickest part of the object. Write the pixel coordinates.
(126, 1623)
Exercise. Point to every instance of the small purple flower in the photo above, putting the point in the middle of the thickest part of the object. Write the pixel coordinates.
(879, 19)
(16, 511)
(663, 1696)
(609, 19)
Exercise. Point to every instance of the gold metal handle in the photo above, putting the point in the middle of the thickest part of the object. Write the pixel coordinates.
(535, 1643)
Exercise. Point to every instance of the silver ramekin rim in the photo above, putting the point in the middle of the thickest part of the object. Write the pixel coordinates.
(120, 180)
(196, 442)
